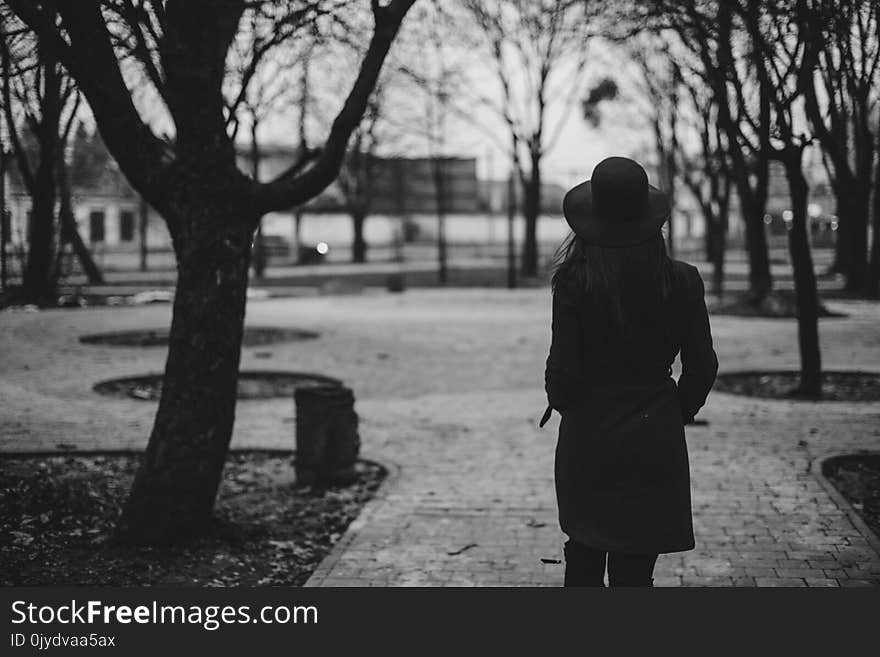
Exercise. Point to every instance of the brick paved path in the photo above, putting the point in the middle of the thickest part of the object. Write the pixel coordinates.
(448, 386)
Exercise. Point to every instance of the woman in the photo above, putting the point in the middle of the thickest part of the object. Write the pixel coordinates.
(622, 311)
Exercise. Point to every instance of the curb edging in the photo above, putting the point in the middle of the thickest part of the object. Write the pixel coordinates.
(838, 498)
(328, 563)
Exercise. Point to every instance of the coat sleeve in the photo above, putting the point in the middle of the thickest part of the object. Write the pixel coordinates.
(563, 376)
(699, 363)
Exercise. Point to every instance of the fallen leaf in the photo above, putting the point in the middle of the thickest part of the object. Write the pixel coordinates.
(467, 547)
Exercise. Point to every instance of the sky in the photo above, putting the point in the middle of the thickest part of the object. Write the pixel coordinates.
(578, 148)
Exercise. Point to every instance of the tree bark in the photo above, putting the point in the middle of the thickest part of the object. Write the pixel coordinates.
(173, 493)
(531, 211)
(804, 281)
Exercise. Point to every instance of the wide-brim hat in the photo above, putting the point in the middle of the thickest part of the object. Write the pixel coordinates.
(617, 207)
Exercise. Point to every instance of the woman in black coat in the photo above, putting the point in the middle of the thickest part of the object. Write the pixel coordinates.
(622, 312)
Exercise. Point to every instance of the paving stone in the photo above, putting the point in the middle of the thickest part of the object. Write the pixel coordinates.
(780, 581)
(821, 582)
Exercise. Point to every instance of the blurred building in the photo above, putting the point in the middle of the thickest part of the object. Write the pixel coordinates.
(112, 218)
(118, 225)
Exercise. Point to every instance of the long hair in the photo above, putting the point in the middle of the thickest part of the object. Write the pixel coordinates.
(620, 282)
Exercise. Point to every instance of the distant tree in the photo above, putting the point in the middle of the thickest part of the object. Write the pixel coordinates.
(539, 52)
(39, 103)
(706, 173)
(840, 101)
(872, 288)
(357, 177)
(211, 207)
(783, 64)
(263, 65)
(756, 59)
(743, 106)
(69, 230)
(440, 77)
(661, 82)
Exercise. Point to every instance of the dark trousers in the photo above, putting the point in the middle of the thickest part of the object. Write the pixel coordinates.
(585, 566)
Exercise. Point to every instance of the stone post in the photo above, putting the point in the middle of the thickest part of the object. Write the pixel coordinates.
(327, 440)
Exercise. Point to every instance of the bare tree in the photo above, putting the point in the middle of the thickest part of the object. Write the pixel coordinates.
(872, 288)
(661, 82)
(743, 112)
(706, 173)
(211, 208)
(357, 177)
(538, 50)
(784, 63)
(441, 79)
(262, 76)
(840, 102)
(755, 59)
(40, 102)
(69, 229)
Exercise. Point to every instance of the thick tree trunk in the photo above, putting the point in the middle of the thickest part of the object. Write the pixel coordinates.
(38, 280)
(359, 245)
(173, 493)
(858, 259)
(853, 208)
(531, 211)
(805, 282)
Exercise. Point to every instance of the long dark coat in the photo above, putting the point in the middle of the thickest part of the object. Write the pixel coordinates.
(622, 474)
